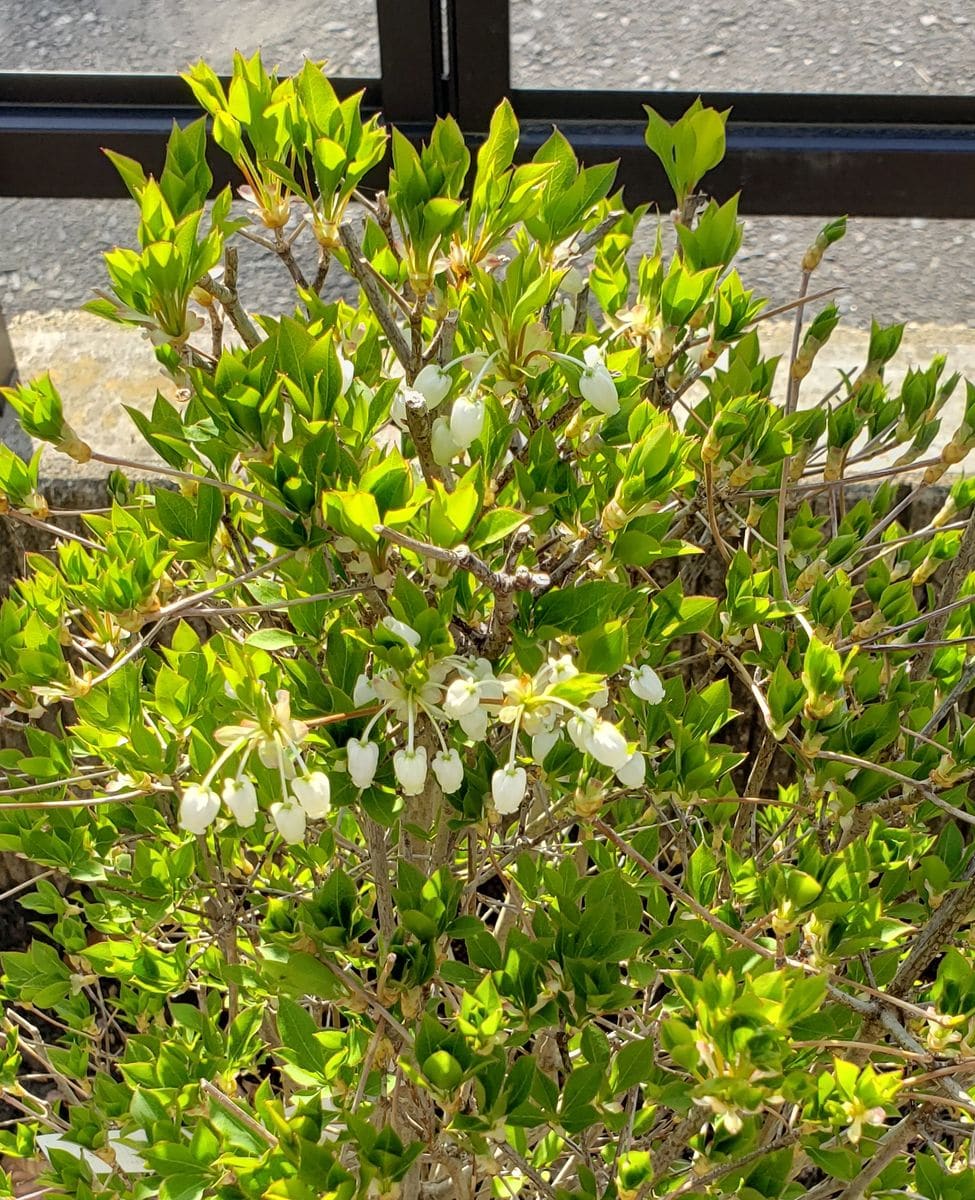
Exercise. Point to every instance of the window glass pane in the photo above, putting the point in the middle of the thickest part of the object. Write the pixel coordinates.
(745, 45)
(167, 35)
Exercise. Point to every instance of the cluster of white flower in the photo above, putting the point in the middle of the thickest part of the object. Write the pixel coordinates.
(456, 694)
(465, 692)
(453, 434)
(305, 796)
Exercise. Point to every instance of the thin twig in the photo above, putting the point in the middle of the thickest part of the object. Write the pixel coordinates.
(227, 295)
(366, 277)
(229, 1106)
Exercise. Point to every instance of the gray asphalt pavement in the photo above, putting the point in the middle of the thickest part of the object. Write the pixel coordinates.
(922, 270)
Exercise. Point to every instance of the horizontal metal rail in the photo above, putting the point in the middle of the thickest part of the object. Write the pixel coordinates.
(788, 154)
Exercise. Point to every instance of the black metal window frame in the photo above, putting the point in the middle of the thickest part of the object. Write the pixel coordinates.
(789, 154)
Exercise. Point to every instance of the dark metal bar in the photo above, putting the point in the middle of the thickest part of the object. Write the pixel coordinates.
(411, 59)
(789, 154)
(866, 170)
(480, 60)
(762, 108)
(53, 127)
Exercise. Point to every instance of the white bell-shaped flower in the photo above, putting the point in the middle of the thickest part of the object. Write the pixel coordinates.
(433, 383)
(647, 685)
(410, 768)
(240, 796)
(314, 793)
(290, 820)
(463, 696)
(363, 761)
(198, 808)
(634, 771)
(449, 770)
(475, 724)
(508, 787)
(608, 746)
(442, 443)
(596, 384)
(466, 420)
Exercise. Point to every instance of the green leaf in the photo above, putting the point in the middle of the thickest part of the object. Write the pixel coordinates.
(297, 1031)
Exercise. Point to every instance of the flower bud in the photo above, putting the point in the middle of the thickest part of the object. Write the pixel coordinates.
(290, 820)
(198, 808)
(508, 787)
(314, 794)
(433, 383)
(646, 684)
(410, 768)
(466, 420)
(449, 770)
(633, 772)
(240, 796)
(363, 761)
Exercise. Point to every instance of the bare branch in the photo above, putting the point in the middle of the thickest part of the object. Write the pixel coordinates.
(366, 277)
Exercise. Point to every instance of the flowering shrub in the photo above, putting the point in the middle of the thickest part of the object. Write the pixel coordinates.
(506, 755)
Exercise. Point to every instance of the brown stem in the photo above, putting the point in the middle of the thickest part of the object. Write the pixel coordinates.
(420, 424)
(226, 293)
(282, 247)
(363, 273)
(379, 862)
(961, 566)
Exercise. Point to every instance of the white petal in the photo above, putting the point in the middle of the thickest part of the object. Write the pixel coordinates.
(608, 746)
(449, 770)
(442, 443)
(290, 820)
(542, 743)
(198, 808)
(363, 761)
(597, 386)
(363, 692)
(475, 724)
(634, 771)
(433, 384)
(462, 698)
(466, 420)
(647, 685)
(410, 768)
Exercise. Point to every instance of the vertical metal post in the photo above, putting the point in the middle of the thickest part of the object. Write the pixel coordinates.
(411, 60)
(480, 60)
